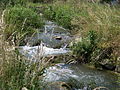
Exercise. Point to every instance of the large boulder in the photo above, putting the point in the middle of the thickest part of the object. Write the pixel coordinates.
(107, 64)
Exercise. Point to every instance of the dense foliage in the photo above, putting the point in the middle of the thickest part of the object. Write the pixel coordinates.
(21, 21)
(83, 49)
(61, 14)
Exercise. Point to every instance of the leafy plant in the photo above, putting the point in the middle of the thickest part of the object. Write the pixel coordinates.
(84, 48)
(64, 16)
(61, 14)
(50, 13)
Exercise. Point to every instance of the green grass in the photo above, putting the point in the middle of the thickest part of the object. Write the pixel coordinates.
(16, 71)
(84, 49)
(81, 17)
(21, 22)
(61, 14)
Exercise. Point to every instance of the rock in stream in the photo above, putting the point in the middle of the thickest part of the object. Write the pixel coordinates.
(52, 36)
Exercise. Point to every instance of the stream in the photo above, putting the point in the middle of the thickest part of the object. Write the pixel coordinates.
(53, 41)
(82, 77)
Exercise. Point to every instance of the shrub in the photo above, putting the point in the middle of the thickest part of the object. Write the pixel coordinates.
(50, 13)
(21, 21)
(84, 48)
(64, 16)
(61, 14)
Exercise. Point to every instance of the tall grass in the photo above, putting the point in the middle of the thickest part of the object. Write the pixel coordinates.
(21, 22)
(16, 71)
(81, 17)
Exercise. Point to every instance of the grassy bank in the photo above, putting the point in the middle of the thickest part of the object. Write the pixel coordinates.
(98, 25)
(16, 71)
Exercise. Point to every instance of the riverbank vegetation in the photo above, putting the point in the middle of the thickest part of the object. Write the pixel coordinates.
(83, 18)
(96, 28)
(21, 22)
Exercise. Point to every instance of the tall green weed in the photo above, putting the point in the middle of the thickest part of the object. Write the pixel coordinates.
(83, 49)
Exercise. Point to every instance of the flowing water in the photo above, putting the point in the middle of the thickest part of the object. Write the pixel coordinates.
(79, 76)
(51, 35)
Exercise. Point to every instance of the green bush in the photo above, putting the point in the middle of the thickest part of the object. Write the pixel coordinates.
(64, 16)
(50, 13)
(21, 21)
(61, 14)
(84, 48)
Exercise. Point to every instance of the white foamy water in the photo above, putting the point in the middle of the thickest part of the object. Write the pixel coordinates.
(56, 73)
(42, 51)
